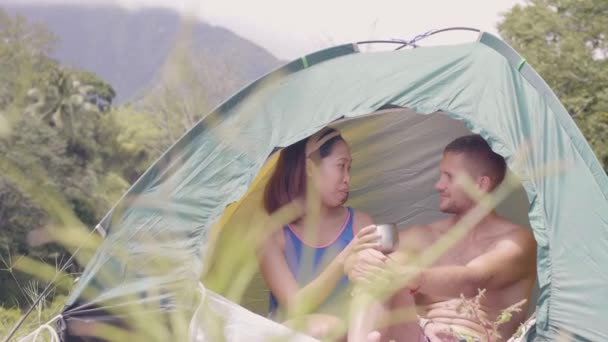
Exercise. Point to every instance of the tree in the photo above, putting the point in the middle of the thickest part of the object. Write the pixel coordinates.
(139, 142)
(24, 50)
(566, 41)
(30, 143)
(74, 102)
(60, 135)
(177, 99)
(192, 80)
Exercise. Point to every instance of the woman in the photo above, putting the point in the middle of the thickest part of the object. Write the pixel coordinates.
(303, 263)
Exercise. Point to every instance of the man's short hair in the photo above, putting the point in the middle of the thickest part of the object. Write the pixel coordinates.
(478, 151)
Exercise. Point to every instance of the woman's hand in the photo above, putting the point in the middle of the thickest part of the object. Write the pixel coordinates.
(366, 238)
(319, 326)
(361, 257)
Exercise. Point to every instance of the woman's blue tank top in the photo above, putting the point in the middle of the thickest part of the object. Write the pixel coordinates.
(306, 262)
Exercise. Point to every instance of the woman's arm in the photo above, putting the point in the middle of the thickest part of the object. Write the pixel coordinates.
(303, 300)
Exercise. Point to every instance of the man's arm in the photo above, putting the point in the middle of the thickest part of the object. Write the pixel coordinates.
(367, 264)
(509, 261)
(368, 314)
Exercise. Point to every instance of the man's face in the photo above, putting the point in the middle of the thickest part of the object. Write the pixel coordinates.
(453, 198)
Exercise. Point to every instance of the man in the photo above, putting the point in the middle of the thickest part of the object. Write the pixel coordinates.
(495, 256)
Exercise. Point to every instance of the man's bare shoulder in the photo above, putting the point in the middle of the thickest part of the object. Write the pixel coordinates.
(510, 256)
(515, 239)
(418, 237)
(509, 231)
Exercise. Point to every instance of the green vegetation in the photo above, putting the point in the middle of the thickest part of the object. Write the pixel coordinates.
(566, 42)
(59, 127)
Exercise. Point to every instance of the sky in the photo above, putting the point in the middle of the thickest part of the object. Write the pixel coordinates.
(290, 29)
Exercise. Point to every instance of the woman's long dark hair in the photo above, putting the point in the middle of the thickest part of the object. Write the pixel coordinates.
(288, 181)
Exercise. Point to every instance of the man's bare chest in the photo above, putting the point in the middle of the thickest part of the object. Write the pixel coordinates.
(460, 254)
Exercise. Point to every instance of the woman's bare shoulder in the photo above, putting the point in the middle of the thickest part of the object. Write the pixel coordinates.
(361, 220)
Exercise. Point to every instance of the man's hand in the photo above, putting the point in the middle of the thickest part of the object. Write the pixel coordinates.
(436, 332)
(364, 265)
(404, 270)
(370, 267)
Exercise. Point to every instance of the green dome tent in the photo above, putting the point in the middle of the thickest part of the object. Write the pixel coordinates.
(398, 109)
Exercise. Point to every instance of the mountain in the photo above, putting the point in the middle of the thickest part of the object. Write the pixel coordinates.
(127, 48)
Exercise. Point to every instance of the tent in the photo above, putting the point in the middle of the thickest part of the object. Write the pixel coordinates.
(397, 108)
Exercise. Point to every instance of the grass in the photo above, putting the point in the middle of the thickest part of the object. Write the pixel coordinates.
(44, 312)
(229, 270)
(471, 308)
(247, 217)
(231, 263)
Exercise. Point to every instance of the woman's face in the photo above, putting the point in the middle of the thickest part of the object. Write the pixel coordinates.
(333, 175)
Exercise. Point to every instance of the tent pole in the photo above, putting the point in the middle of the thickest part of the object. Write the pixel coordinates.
(27, 313)
(45, 291)
(403, 43)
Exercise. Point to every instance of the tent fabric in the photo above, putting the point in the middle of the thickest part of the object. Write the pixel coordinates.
(239, 324)
(396, 154)
(485, 85)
